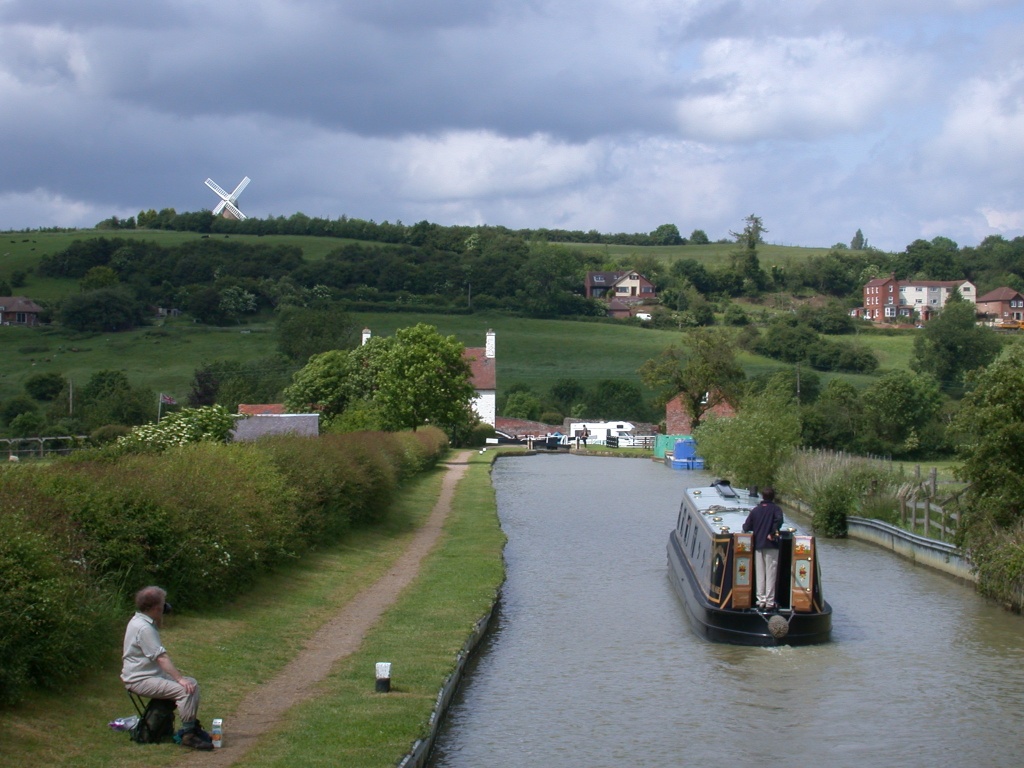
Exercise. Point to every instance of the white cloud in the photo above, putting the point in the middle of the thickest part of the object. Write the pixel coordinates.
(795, 88)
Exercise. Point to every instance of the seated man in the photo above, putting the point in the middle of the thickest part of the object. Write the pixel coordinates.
(148, 671)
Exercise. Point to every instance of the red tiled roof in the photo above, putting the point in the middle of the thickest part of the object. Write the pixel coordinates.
(261, 410)
(19, 304)
(483, 372)
(1000, 294)
(520, 427)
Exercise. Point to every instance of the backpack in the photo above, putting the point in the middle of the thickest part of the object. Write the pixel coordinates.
(156, 724)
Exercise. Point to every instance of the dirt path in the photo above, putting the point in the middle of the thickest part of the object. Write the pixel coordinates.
(338, 638)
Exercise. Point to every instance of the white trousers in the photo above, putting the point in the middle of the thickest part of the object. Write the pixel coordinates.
(165, 688)
(766, 566)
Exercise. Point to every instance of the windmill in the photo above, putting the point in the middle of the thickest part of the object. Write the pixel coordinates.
(226, 207)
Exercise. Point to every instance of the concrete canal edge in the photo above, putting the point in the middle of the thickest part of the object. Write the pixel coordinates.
(928, 552)
(417, 756)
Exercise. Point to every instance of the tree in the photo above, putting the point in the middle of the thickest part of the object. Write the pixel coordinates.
(990, 444)
(303, 332)
(613, 400)
(835, 419)
(897, 408)
(751, 236)
(425, 380)
(953, 344)
(859, 242)
(522, 405)
(699, 237)
(323, 385)
(106, 309)
(744, 261)
(98, 277)
(45, 386)
(566, 393)
(751, 446)
(109, 398)
(666, 234)
(705, 373)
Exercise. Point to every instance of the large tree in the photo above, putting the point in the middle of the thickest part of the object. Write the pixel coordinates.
(899, 407)
(408, 380)
(704, 372)
(990, 431)
(306, 331)
(750, 447)
(953, 343)
(424, 379)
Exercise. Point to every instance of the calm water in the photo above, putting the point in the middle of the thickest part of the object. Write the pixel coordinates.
(592, 662)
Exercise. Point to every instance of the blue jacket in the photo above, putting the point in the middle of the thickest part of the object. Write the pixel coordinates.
(765, 519)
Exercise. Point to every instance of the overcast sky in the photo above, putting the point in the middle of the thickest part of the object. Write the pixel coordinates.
(904, 118)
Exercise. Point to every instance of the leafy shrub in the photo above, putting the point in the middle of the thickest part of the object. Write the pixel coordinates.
(109, 433)
(832, 503)
(53, 620)
(210, 423)
(81, 535)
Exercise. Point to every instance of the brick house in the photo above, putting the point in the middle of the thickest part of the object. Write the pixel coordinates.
(17, 310)
(888, 299)
(677, 418)
(1001, 304)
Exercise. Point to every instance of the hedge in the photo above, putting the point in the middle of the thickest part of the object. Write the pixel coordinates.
(78, 537)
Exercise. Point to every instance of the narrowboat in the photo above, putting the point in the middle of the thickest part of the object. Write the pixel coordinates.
(711, 565)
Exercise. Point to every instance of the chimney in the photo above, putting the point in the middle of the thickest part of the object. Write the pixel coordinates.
(489, 348)
(366, 335)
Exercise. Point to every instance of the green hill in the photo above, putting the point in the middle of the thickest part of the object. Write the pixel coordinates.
(164, 356)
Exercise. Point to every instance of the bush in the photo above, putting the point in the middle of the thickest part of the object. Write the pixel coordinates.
(53, 619)
(831, 503)
(79, 536)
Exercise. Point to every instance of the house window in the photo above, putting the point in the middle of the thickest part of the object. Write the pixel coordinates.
(890, 311)
(622, 289)
(21, 317)
(598, 278)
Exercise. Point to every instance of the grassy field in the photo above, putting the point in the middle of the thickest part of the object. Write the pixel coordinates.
(163, 357)
(710, 255)
(234, 649)
(533, 352)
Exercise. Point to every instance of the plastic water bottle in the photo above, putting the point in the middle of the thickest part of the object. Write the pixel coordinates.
(217, 734)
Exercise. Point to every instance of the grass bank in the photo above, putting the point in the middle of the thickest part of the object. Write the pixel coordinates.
(235, 649)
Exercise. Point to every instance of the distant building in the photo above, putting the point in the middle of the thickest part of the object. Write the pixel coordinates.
(619, 285)
(889, 299)
(17, 310)
(678, 420)
(264, 422)
(1001, 305)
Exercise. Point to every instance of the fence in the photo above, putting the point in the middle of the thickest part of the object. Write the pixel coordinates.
(19, 448)
(930, 505)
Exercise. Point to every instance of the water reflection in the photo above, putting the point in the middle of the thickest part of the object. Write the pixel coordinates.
(592, 661)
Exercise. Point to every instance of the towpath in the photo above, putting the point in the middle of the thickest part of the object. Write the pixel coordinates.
(341, 636)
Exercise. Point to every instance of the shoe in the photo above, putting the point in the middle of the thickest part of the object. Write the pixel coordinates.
(198, 729)
(193, 740)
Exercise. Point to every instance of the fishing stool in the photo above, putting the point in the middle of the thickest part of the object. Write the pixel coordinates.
(147, 715)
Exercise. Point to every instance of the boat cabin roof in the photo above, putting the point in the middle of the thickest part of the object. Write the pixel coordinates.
(722, 506)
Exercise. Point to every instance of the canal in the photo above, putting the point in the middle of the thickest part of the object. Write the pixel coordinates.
(592, 662)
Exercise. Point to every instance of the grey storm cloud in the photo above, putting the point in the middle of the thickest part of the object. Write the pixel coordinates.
(898, 118)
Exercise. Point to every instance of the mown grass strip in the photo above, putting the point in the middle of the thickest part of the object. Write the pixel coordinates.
(234, 649)
(350, 723)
